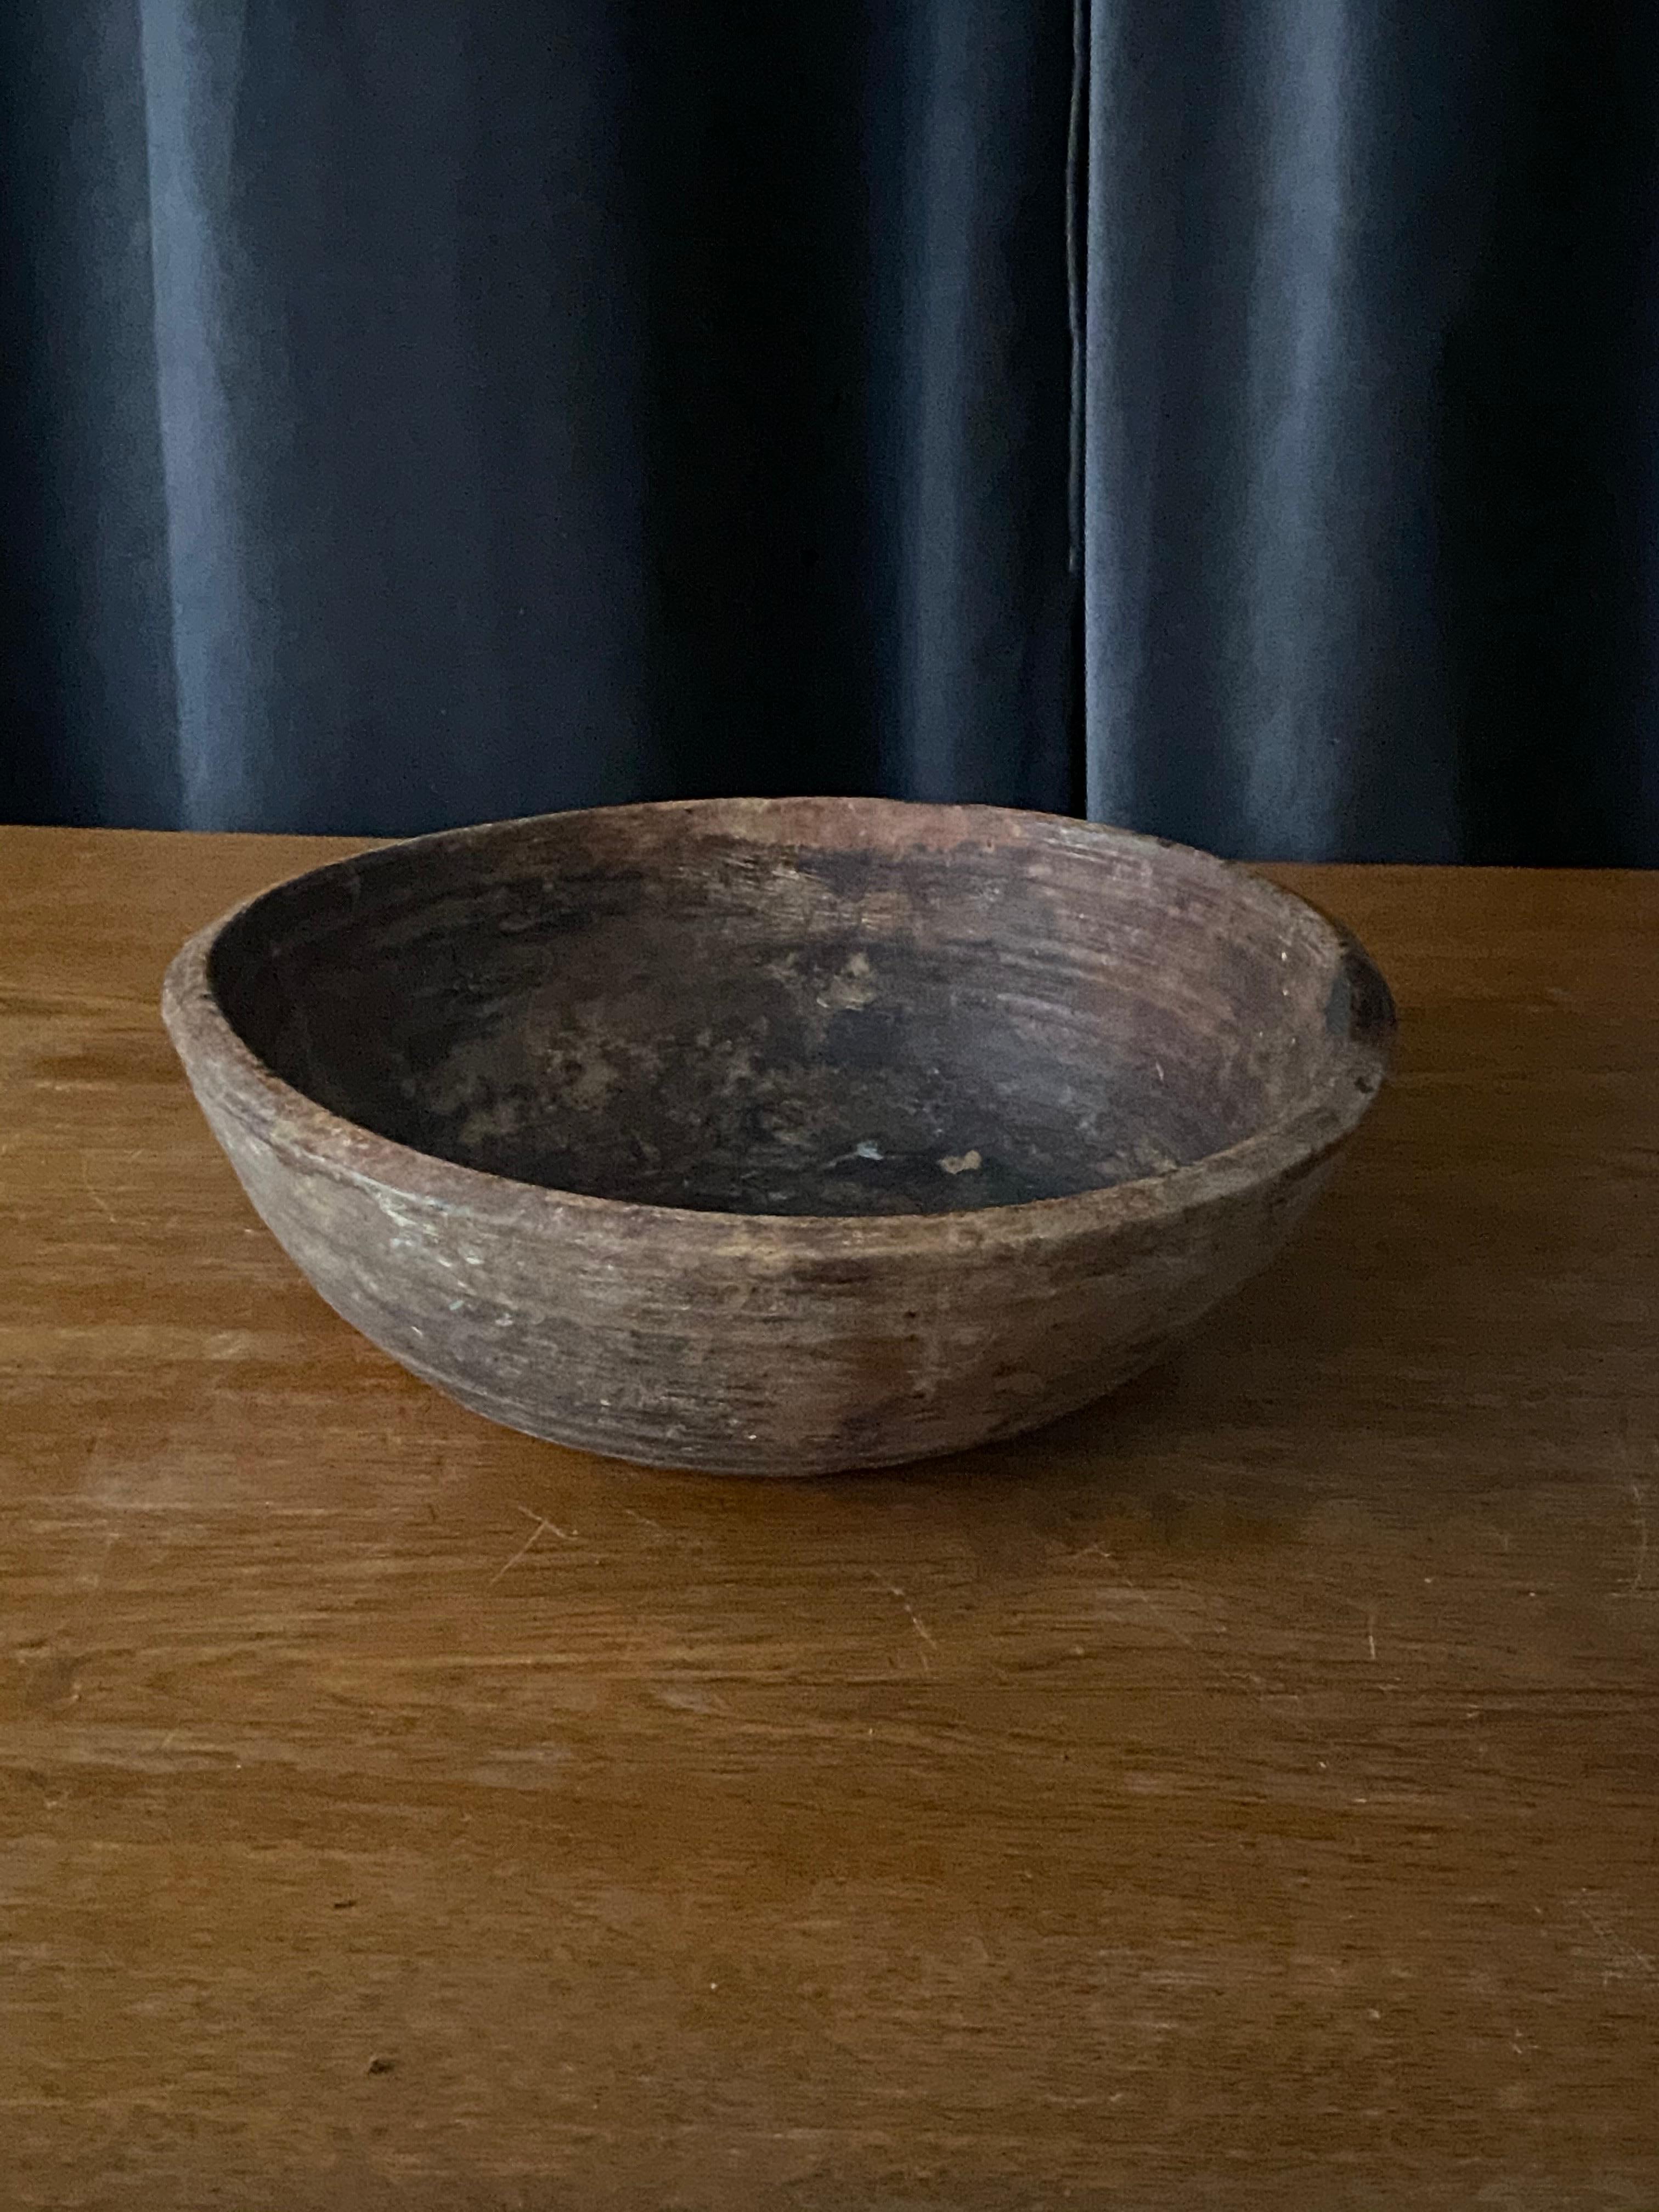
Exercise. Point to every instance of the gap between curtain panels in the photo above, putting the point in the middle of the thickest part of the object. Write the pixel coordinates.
(1076, 275)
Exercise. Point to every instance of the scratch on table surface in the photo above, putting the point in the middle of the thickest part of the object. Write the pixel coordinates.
(1370, 1633)
(1271, 1698)
(924, 1634)
(1130, 1588)
(567, 1535)
(543, 1528)
(94, 1193)
(644, 1520)
(1619, 1959)
(1636, 1586)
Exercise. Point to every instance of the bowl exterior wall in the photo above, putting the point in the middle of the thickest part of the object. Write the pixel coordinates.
(757, 1346)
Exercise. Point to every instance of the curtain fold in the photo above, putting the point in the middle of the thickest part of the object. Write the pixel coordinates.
(466, 409)
(1234, 418)
(1369, 408)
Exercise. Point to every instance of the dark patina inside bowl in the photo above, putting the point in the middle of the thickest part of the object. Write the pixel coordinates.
(811, 1077)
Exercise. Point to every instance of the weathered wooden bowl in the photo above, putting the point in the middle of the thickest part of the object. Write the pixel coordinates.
(779, 1136)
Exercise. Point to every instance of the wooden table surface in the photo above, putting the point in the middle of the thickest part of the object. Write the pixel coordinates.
(1246, 1794)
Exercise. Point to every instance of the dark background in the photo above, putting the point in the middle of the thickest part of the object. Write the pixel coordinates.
(1234, 417)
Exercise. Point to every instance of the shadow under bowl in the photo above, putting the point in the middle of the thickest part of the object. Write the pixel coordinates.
(779, 1136)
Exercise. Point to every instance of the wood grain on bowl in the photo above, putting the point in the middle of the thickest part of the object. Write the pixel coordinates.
(779, 1136)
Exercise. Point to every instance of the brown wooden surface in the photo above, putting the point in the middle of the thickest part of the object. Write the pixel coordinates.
(1247, 1794)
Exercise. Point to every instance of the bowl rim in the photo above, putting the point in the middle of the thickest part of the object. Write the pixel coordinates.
(228, 1075)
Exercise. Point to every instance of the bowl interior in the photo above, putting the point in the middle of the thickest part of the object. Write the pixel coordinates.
(795, 1007)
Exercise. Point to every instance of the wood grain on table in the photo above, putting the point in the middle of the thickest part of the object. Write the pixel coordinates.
(1245, 1794)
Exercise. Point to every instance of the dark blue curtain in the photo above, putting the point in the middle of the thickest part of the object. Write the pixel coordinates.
(447, 411)
(1372, 426)
(1232, 416)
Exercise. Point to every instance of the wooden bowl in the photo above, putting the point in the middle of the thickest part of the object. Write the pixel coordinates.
(779, 1136)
